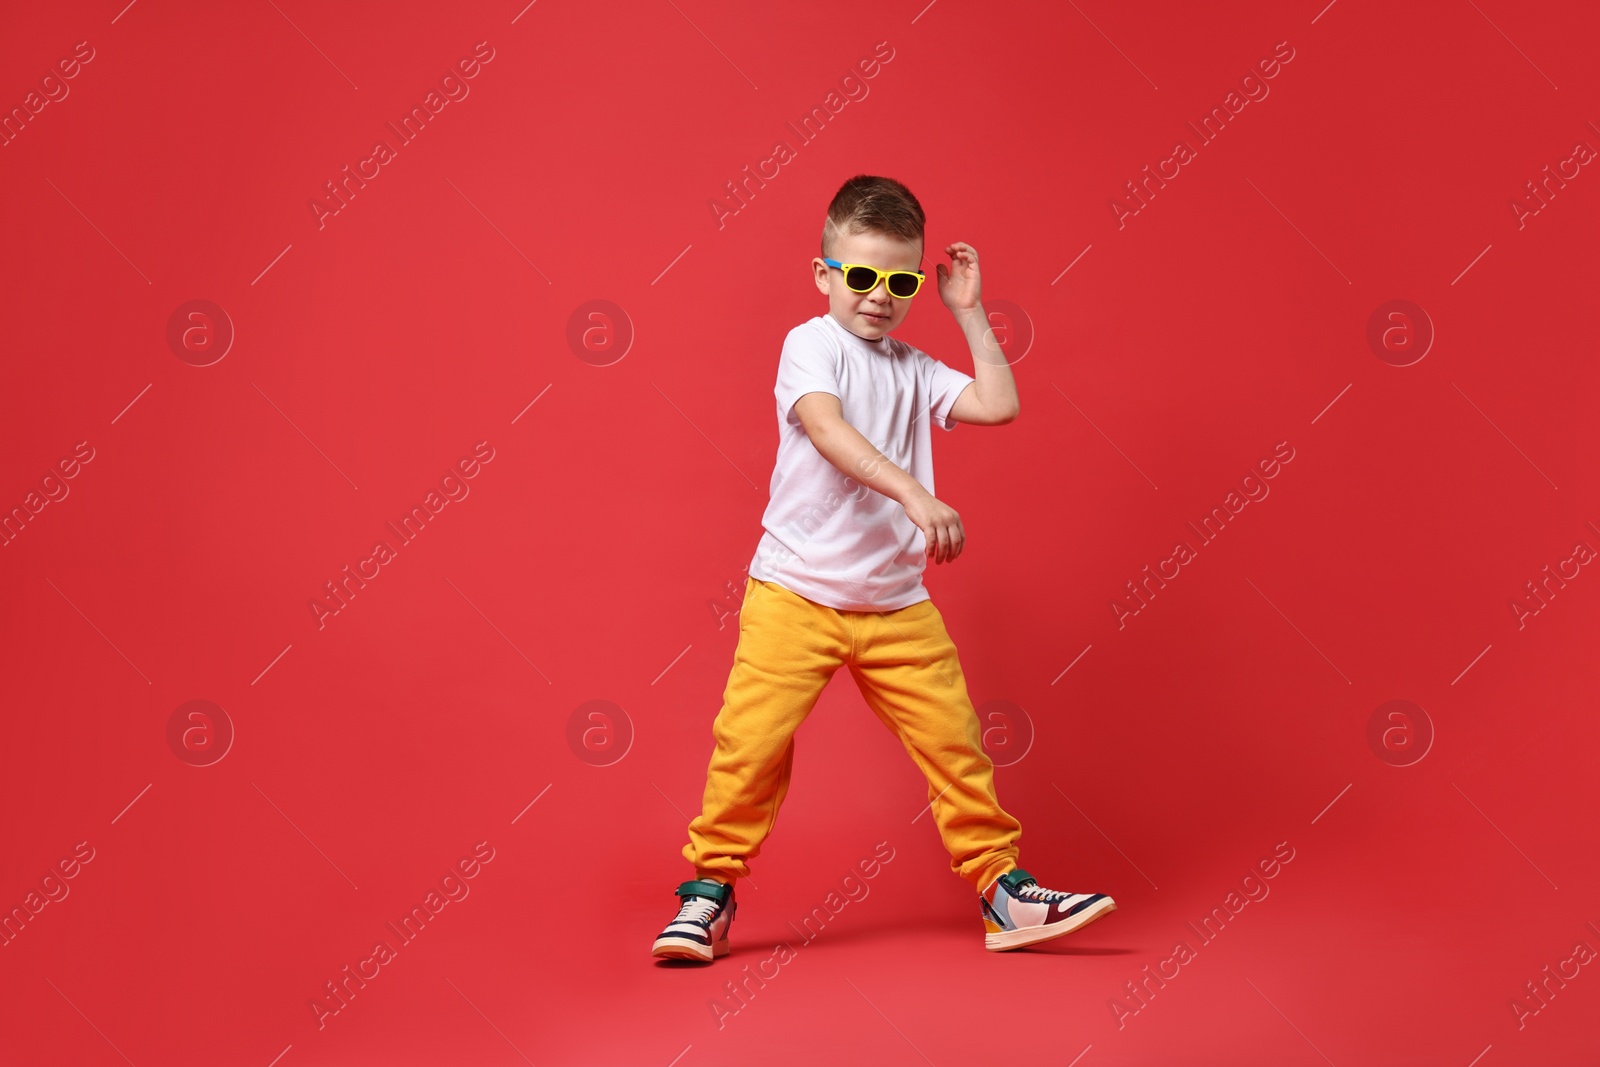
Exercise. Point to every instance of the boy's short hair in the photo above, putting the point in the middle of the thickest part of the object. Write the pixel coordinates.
(871, 204)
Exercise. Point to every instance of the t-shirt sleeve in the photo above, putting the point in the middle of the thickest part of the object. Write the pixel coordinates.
(942, 384)
(809, 364)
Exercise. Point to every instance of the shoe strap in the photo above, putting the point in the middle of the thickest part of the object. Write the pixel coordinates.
(717, 891)
(1016, 878)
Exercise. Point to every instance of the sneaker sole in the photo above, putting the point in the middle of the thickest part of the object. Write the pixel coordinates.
(681, 948)
(1029, 935)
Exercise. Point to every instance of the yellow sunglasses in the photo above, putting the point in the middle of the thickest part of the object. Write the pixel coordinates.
(862, 278)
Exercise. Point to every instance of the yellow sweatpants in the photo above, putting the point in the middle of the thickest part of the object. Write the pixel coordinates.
(906, 667)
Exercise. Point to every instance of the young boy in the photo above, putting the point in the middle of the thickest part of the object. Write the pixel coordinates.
(837, 578)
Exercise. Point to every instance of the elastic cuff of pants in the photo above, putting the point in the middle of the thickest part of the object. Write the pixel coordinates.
(995, 877)
(708, 875)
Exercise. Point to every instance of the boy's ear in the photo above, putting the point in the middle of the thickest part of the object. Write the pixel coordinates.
(819, 272)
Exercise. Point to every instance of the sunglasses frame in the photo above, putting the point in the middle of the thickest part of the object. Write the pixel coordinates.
(879, 276)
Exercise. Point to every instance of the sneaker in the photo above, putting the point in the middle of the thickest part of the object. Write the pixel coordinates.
(700, 931)
(1018, 911)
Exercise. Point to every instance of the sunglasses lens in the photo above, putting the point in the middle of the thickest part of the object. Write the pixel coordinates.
(861, 279)
(902, 284)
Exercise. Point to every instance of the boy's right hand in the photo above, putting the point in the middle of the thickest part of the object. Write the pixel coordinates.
(940, 526)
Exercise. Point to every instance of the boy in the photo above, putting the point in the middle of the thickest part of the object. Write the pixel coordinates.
(837, 578)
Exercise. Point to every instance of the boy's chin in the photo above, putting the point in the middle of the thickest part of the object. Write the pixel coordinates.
(873, 327)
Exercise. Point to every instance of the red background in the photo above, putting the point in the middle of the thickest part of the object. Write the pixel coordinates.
(601, 552)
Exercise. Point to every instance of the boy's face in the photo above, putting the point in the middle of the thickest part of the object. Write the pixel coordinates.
(868, 315)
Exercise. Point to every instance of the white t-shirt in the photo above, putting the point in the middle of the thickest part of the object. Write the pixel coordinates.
(829, 537)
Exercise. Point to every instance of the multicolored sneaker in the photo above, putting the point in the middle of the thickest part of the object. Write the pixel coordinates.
(1018, 911)
(700, 931)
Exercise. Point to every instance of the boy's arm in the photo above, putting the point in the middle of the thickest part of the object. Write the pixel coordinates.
(991, 400)
(992, 397)
(843, 445)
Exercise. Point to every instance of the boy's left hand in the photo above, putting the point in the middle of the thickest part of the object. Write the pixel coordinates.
(959, 283)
